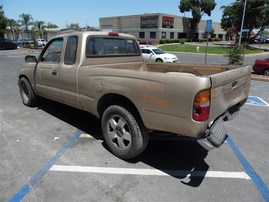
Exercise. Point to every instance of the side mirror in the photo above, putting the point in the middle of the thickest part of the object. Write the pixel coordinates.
(30, 58)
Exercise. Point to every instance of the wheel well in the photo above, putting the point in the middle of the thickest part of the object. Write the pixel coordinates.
(116, 99)
(23, 76)
(267, 69)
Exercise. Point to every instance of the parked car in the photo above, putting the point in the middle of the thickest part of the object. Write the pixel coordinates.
(28, 44)
(19, 44)
(261, 66)
(6, 44)
(258, 40)
(267, 39)
(153, 54)
(41, 42)
(261, 39)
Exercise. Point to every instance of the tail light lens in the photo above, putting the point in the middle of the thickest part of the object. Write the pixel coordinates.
(201, 106)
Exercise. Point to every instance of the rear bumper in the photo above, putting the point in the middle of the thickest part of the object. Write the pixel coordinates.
(216, 133)
(215, 136)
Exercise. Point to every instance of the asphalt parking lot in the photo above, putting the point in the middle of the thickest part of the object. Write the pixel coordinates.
(56, 153)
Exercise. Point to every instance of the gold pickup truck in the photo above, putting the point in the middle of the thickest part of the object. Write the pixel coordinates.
(104, 73)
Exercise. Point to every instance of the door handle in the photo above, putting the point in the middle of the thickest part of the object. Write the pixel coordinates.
(54, 72)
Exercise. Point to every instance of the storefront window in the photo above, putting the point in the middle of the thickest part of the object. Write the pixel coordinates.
(141, 35)
(163, 35)
(153, 35)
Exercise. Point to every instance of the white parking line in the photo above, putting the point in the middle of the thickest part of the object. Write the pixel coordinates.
(84, 135)
(149, 172)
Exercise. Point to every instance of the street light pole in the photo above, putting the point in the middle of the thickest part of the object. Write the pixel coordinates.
(242, 23)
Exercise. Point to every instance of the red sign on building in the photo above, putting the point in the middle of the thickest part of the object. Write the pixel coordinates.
(168, 22)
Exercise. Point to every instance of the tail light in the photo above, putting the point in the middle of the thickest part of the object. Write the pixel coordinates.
(201, 106)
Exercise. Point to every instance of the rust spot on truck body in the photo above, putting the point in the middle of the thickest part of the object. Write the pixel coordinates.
(156, 101)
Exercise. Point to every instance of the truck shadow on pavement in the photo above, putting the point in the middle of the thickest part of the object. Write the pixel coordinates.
(174, 156)
(178, 157)
(81, 120)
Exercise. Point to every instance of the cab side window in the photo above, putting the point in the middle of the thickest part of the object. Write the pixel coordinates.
(53, 52)
(71, 50)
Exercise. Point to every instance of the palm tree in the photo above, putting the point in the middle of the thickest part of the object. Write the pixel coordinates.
(39, 28)
(26, 20)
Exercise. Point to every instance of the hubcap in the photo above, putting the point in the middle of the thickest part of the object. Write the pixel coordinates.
(119, 132)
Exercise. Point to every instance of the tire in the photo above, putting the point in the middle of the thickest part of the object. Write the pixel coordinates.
(125, 136)
(266, 72)
(159, 60)
(27, 94)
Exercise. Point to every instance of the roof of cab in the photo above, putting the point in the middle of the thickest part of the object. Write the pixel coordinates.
(95, 33)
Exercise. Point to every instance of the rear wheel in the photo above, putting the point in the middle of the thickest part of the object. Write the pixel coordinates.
(125, 136)
(27, 94)
(266, 72)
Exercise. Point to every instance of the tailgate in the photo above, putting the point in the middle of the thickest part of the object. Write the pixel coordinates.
(229, 89)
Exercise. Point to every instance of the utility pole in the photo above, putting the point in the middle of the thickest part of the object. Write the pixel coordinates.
(242, 23)
(208, 28)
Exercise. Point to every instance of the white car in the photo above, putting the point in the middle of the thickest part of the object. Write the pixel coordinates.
(153, 54)
(41, 42)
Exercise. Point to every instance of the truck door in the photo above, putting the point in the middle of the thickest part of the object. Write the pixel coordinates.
(68, 72)
(47, 75)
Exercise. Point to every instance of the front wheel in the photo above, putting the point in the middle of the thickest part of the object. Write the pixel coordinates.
(124, 135)
(159, 60)
(27, 94)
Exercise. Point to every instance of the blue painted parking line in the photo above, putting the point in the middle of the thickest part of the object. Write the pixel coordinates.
(253, 100)
(261, 186)
(35, 179)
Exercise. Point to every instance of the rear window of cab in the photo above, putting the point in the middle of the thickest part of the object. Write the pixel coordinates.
(99, 46)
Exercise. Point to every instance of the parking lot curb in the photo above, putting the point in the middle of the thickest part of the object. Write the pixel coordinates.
(260, 78)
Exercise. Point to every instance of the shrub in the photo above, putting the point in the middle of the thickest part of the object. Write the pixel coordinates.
(162, 41)
(235, 55)
(182, 41)
(203, 40)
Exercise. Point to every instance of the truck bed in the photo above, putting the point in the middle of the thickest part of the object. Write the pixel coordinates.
(196, 69)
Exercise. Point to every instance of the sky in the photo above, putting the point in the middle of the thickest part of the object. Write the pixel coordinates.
(88, 12)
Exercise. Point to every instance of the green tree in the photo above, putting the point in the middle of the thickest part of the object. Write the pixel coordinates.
(3, 22)
(26, 20)
(13, 26)
(256, 14)
(39, 27)
(73, 26)
(197, 8)
(236, 55)
(50, 25)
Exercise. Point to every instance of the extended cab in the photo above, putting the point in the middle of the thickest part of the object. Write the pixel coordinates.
(104, 73)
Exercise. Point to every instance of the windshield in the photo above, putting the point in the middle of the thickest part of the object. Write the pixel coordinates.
(158, 51)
